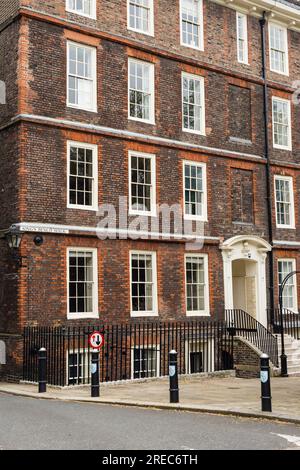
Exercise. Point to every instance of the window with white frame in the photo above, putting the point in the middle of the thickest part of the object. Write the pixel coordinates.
(142, 183)
(141, 91)
(78, 367)
(145, 361)
(82, 283)
(278, 46)
(242, 37)
(143, 283)
(140, 16)
(82, 7)
(82, 87)
(82, 176)
(191, 20)
(284, 199)
(193, 104)
(195, 198)
(289, 298)
(199, 356)
(281, 115)
(197, 290)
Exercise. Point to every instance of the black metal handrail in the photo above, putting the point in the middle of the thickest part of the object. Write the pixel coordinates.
(244, 325)
(290, 322)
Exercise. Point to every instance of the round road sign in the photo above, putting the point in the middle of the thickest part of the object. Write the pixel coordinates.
(96, 340)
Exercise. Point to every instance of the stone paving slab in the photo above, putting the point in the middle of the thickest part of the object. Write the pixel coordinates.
(218, 395)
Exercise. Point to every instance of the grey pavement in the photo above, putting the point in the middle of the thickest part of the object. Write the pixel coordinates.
(28, 423)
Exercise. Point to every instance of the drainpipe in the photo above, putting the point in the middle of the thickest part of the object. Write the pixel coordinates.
(268, 166)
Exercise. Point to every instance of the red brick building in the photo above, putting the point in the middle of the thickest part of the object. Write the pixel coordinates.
(161, 102)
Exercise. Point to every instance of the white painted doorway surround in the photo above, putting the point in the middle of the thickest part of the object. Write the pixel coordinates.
(254, 250)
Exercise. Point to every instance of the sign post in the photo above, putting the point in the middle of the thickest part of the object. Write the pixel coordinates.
(266, 399)
(173, 374)
(42, 370)
(96, 341)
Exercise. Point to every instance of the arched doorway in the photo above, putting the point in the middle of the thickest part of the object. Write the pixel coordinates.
(244, 261)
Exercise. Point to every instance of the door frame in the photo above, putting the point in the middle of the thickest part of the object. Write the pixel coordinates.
(252, 248)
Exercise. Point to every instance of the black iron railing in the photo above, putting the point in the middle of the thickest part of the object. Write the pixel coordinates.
(290, 322)
(246, 326)
(131, 351)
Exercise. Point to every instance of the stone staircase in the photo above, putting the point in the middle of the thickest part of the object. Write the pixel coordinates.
(292, 350)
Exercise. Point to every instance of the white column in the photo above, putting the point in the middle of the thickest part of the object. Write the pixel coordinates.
(262, 289)
(227, 271)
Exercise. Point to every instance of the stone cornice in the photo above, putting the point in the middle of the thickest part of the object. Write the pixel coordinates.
(277, 10)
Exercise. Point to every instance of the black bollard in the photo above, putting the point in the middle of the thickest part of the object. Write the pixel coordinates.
(266, 399)
(173, 373)
(42, 370)
(95, 377)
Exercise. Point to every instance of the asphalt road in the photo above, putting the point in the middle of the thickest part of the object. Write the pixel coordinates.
(31, 424)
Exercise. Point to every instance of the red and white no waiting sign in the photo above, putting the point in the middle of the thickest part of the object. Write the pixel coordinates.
(96, 340)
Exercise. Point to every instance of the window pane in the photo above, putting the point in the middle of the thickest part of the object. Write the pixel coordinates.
(195, 283)
(81, 282)
(142, 282)
(81, 180)
(80, 76)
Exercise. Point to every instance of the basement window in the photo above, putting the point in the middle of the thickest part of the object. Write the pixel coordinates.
(145, 362)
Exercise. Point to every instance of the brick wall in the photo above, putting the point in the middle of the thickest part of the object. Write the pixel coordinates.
(12, 370)
(45, 192)
(45, 286)
(8, 70)
(7, 9)
(220, 45)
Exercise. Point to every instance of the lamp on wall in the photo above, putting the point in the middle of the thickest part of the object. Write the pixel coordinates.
(14, 238)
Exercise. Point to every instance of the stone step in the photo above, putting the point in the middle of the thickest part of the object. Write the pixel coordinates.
(294, 369)
(293, 363)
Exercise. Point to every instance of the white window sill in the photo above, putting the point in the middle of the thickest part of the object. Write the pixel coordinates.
(191, 131)
(199, 48)
(198, 314)
(282, 147)
(145, 121)
(74, 106)
(143, 314)
(140, 31)
(78, 316)
(92, 17)
(142, 213)
(195, 218)
(286, 74)
(82, 208)
(289, 227)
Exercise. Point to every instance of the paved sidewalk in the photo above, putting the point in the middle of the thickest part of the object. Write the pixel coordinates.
(216, 395)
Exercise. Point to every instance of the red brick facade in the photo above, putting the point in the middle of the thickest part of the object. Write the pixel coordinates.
(35, 125)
